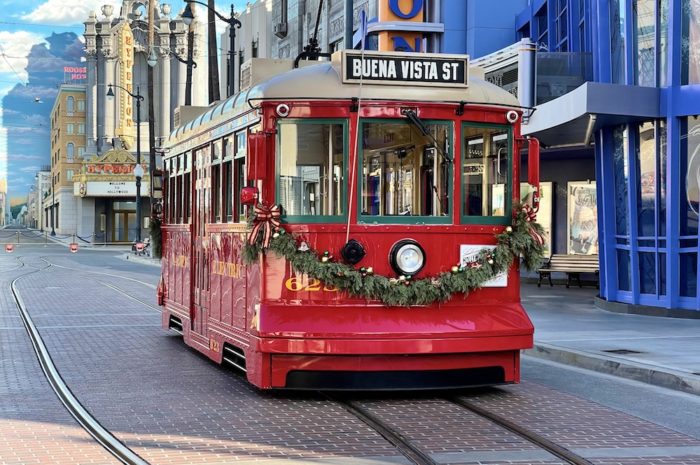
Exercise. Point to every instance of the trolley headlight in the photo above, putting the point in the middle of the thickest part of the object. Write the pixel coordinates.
(407, 257)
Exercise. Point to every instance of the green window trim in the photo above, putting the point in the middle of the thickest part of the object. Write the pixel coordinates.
(414, 219)
(315, 219)
(508, 194)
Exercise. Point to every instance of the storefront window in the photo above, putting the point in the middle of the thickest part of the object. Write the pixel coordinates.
(646, 180)
(645, 42)
(647, 273)
(690, 165)
(311, 169)
(662, 177)
(617, 41)
(621, 180)
(662, 52)
(485, 172)
(689, 274)
(690, 42)
(623, 270)
(403, 173)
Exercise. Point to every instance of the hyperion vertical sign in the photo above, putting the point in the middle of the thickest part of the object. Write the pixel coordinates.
(397, 12)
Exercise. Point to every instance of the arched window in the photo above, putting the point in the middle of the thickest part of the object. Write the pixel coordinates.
(70, 150)
(70, 104)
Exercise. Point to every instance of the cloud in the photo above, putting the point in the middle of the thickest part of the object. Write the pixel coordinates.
(67, 12)
(17, 156)
(30, 169)
(16, 46)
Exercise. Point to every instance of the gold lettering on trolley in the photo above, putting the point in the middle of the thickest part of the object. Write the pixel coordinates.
(229, 269)
(180, 261)
(299, 284)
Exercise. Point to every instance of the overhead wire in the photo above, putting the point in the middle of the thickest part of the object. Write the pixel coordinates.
(4, 57)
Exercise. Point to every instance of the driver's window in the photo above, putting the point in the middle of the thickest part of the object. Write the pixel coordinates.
(311, 169)
(405, 174)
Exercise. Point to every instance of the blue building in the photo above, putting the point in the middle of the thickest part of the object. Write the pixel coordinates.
(640, 112)
(616, 88)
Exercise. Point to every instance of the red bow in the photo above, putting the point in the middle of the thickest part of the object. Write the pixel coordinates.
(265, 219)
(530, 217)
(530, 214)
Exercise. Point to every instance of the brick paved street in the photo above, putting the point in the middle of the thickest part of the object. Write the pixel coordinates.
(35, 428)
(173, 406)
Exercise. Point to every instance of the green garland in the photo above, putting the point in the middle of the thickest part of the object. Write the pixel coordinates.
(517, 240)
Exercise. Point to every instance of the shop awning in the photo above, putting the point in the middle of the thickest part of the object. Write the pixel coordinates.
(573, 118)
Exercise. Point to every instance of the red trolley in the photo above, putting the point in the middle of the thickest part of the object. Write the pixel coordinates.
(376, 168)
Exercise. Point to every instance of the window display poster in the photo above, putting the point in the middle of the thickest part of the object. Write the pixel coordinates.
(582, 218)
(544, 214)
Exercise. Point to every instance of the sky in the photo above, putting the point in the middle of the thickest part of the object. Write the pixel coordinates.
(28, 23)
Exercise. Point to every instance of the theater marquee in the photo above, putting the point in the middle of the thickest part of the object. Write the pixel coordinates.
(111, 175)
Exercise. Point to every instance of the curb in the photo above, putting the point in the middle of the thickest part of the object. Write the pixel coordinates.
(140, 259)
(649, 374)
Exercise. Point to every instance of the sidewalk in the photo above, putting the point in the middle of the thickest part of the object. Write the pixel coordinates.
(569, 329)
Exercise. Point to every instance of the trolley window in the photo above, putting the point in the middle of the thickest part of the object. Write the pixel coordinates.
(239, 174)
(486, 174)
(216, 183)
(405, 178)
(187, 188)
(311, 160)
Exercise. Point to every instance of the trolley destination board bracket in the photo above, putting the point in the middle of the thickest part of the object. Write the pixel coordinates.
(417, 69)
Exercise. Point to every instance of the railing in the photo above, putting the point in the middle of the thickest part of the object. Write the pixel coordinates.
(558, 73)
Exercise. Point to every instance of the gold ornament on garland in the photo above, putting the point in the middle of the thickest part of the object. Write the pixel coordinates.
(524, 238)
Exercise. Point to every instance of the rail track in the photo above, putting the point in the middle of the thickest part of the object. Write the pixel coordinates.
(415, 454)
(103, 436)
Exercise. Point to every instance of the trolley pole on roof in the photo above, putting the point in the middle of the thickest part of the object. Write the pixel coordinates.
(348, 24)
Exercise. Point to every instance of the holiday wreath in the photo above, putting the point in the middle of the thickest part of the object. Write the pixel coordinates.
(523, 239)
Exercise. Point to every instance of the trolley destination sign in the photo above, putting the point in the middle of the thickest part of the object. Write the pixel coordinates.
(411, 68)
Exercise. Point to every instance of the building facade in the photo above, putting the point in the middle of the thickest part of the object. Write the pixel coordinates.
(118, 56)
(42, 186)
(67, 152)
(636, 111)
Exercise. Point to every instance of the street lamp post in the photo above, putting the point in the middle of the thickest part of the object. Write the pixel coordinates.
(233, 23)
(138, 170)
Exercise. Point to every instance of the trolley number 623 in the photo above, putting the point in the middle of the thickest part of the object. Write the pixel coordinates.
(297, 284)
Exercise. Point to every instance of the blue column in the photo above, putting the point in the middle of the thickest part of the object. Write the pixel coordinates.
(601, 41)
(606, 218)
(672, 159)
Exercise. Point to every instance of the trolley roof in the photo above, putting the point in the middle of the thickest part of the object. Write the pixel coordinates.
(323, 81)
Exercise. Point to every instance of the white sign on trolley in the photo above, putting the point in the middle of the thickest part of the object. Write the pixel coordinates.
(469, 253)
(111, 189)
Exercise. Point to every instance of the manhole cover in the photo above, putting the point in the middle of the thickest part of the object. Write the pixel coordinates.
(622, 351)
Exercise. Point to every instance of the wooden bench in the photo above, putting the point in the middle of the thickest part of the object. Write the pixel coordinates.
(572, 265)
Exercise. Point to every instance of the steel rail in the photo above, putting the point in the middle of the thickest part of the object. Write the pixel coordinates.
(398, 440)
(152, 286)
(551, 447)
(72, 404)
(129, 296)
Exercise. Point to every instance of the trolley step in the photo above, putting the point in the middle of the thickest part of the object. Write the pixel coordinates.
(175, 324)
(235, 357)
